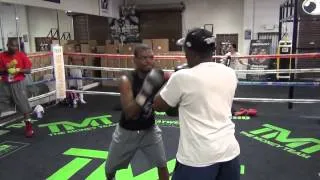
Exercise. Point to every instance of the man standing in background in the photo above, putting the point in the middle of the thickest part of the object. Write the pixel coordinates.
(77, 73)
(13, 67)
(235, 63)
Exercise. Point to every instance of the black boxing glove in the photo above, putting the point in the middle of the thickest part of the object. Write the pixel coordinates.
(151, 85)
(182, 66)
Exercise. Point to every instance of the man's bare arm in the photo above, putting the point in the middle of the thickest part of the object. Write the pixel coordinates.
(130, 107)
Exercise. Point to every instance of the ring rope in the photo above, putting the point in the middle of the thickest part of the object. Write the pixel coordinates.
(93, 78)
(272, 56)
(99, 68)
(270, 100)
(297, 84)
(39, 55)
(264, 100)
(42, 96)
(275, 71)
(272, 71)
(242, 83)
(95, 92)
(41, 82)
(41, 69)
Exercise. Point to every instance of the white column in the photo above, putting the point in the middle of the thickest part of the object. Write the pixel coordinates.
(248, 22)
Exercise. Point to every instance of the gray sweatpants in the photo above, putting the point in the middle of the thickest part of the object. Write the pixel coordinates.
(126, 143)
(14, 94)
(77, 83)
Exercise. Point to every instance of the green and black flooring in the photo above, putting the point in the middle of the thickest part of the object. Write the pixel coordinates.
(278, 144)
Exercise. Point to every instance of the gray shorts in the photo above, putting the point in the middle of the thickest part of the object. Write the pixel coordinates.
(76, 73)
(14, 94)
(125, 144)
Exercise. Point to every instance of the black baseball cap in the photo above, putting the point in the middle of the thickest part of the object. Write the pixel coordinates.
(199, 40)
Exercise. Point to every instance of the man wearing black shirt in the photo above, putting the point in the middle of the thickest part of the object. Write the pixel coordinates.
(136, 129)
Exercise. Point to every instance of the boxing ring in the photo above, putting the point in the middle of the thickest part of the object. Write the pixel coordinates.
(182, 59)
(279, 143)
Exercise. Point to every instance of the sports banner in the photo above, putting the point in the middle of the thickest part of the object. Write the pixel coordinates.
(259, 47)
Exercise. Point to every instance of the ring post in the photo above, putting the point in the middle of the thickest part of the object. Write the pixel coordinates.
(59, 72)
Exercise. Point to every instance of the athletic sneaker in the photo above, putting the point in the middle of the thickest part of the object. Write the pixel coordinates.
(28, 131)
(83, 101)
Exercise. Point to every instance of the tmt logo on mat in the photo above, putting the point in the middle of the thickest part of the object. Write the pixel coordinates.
(279, 138)
(92, 123)
(88, 124)
(82, 158)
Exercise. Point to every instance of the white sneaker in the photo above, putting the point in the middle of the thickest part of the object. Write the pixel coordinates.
(75, 103)
(83, 101)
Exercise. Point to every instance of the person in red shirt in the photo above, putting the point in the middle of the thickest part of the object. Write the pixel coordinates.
(13, 67)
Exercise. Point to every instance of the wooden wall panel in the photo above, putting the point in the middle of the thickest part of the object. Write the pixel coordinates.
(161, 25)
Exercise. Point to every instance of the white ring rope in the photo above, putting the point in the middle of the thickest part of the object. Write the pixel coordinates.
(99, 68)
(275, 71)
(270, 100)
(95, 92)
(272, 71)
(266, 100)
(42, 96)
(41, 69)
(111, 69)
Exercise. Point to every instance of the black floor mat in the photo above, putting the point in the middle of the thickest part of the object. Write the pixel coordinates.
(278, 144)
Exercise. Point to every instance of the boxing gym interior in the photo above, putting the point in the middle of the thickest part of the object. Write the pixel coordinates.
(275, 109)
